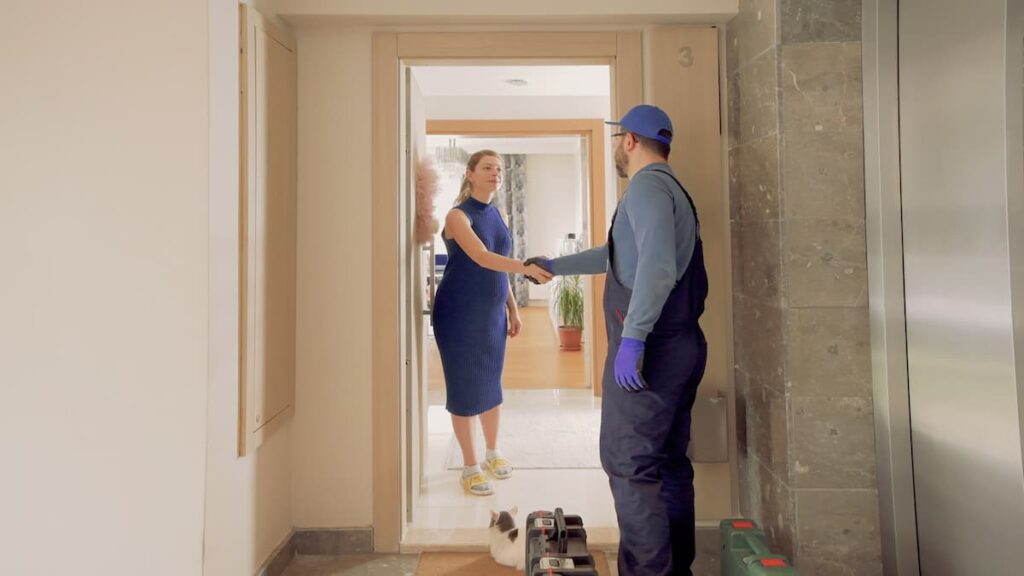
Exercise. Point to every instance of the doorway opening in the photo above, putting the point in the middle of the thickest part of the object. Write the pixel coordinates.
(688, 89)
(547, 122)
(543, 199)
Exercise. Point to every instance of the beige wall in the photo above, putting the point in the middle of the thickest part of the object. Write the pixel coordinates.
(248, 500)
(333, 471)
(118, 299)
(103, 297)
(332, 433)
(332, 440)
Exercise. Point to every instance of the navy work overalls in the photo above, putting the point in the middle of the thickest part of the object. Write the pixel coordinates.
(644, 435)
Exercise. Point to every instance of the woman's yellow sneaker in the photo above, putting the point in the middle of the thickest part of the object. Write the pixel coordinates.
(499, 467)
(477, 484)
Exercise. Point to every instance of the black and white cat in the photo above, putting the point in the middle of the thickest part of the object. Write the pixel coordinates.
(508, 544)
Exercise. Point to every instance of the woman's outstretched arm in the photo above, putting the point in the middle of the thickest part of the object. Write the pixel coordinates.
(457, 226)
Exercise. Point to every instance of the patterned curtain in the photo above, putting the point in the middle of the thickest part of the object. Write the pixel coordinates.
(513, 202)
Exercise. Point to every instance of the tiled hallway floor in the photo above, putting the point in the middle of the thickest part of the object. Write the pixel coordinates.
(405, 564)
(354, 565)
(367, 565)
(447, 517)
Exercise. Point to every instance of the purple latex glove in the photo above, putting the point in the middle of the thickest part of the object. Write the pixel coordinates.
(628, 363)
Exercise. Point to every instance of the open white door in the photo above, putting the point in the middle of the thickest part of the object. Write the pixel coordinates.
(583, 224)
(414, 301)
(268, 228)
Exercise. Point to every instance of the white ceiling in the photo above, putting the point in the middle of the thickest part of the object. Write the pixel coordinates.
(552, 80)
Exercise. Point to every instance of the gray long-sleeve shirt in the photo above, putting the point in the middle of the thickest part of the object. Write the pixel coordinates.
(654, 234)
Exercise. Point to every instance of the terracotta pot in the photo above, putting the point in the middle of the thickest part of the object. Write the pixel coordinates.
(569, 338)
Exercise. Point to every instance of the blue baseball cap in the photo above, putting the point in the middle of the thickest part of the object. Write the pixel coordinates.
(647, 121)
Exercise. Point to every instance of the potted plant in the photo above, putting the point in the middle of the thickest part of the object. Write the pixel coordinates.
(568, 300)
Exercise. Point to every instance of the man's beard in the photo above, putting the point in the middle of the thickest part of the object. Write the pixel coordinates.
(620, 164)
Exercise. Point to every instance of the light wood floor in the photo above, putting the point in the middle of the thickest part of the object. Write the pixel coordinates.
(532, 359)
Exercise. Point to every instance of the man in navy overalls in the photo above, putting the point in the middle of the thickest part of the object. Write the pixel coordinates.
(654, 296)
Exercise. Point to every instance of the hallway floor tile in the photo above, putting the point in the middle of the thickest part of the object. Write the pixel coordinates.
(354, 565)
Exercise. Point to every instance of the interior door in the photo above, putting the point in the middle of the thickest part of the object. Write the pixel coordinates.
(584, 154)
(268, 227)
(414, 306)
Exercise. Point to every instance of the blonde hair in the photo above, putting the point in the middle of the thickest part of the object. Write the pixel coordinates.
(467, 187)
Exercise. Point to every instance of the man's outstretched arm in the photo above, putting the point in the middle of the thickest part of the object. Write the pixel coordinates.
(593, 261)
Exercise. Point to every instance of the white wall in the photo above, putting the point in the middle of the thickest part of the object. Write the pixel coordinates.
(333, 459)
(517, 107)
(103, 298)
(534, 107)
(248, 500)
(553, 205)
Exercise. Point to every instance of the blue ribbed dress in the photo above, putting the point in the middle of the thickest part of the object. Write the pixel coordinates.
(470, 322)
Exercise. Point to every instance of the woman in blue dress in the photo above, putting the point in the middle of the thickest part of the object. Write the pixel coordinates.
(474, 311)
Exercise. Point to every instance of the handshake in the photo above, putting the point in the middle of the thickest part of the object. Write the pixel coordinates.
(538, 270)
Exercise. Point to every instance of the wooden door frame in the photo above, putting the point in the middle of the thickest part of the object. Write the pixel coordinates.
(594, 131)
(621, 50)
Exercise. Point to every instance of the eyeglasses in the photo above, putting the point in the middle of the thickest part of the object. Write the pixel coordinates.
(617, 134)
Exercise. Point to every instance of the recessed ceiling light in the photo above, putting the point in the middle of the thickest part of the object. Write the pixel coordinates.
(517, 81)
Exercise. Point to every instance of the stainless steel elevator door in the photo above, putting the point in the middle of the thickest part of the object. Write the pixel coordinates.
(965, 421)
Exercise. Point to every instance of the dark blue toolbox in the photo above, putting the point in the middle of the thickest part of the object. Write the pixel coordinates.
(556, 544)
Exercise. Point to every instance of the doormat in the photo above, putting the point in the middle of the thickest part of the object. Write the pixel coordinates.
(541, 438)
(479, 564)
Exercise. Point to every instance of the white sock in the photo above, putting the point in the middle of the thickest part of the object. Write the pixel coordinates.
(470, 470)
(492, 454)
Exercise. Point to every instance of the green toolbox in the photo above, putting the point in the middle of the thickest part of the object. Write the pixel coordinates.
(745, 552)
